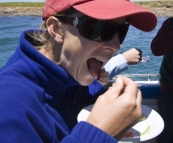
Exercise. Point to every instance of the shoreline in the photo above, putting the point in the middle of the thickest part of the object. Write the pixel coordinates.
(160, 9)
(30, 11)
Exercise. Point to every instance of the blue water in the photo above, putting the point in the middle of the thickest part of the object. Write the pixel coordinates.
(142, 40)
(12, 26)
(10, 30)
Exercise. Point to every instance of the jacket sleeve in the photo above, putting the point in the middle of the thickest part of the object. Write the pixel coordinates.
(21, 123)
(21, 126)
(84, 132)
(116, 65)
(163, 41)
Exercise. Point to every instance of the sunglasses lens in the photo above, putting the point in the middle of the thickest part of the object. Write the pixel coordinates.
(87, 28)
(108, 31)
(90, 30)
(123, 32)
(96, 30)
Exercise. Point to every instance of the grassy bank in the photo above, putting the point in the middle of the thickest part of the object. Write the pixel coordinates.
(156, 4)
(22, 4)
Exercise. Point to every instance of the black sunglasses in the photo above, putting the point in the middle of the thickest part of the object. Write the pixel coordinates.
(96, 30)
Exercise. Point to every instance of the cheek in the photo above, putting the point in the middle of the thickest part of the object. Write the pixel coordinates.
(76, 51)
(115, 43)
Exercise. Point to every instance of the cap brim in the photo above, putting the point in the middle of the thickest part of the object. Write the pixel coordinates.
(137, 16)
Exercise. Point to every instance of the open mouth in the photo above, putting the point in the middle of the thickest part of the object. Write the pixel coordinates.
(95, 65)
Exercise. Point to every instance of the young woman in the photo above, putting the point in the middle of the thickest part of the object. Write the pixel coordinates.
(51, 76)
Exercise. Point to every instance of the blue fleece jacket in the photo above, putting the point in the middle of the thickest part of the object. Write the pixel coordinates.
(40, 101)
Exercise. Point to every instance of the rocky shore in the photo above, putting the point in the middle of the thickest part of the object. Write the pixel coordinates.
(20, 11)
(160, 9)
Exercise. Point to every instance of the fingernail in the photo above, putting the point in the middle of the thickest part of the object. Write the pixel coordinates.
(118, 80)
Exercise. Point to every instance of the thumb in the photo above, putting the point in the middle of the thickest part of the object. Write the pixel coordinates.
(116, 89)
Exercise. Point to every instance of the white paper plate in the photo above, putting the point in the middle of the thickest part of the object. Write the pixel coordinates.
(144, 130)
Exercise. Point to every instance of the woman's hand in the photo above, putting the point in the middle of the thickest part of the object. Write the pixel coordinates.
(133, 56)
(116, 111)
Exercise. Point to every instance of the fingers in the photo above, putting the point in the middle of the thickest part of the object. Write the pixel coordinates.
(132, 93)
(119, 108)
(133, 56)
(116, 89)
(124, 86)
(140, 54)
(139, 50)
(139, 98)
(130, 86)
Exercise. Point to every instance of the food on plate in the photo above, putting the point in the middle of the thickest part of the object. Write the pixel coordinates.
(142, 118)
(147, 129)
(129, 134)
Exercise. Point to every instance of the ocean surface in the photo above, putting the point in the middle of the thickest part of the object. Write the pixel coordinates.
(12, 26)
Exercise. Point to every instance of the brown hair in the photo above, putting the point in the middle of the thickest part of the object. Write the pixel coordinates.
(39, 39)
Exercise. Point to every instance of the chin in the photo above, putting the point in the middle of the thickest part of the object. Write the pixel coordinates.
(85, 82)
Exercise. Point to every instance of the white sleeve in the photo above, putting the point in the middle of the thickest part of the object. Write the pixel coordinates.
(116, 65)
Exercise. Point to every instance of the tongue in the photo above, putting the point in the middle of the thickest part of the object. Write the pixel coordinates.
(94, 66)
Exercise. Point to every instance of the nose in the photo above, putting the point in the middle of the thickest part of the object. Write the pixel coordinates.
(114, 43)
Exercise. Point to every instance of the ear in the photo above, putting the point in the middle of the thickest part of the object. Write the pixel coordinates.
(53, 27)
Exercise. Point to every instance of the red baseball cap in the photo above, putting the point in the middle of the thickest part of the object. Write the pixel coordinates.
(137, 16)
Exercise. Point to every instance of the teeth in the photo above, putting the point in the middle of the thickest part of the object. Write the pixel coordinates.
(99, 59)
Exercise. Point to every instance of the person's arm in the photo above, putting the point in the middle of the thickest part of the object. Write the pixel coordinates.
(85, 132)
(108, 112)
(26, 120)
(116, 65)
(120, 62)
(163, 41)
